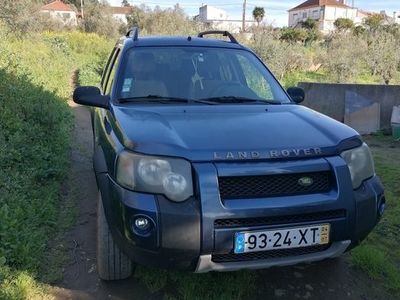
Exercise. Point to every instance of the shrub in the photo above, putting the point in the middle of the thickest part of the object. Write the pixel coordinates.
(99, 19)
(383, 55)
(343, 24)
(343, 59)
(281, 57)
(293, 35)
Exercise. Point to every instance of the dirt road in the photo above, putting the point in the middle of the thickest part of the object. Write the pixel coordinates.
(327, 280)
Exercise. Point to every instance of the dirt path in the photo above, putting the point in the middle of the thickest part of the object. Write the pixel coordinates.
(328, 280)
(80, 275)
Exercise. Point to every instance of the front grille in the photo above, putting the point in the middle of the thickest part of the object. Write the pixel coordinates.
(232, 257)
(275, 220)
(242, 187)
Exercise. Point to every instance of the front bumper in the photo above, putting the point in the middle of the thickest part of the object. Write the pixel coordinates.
(185, 235)
(206, 263)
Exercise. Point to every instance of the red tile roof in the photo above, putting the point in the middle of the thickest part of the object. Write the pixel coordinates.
(125, 10)
(313, 3)
(366, 13)
(57, 5)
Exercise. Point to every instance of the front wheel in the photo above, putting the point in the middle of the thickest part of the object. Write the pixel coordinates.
(112, 263)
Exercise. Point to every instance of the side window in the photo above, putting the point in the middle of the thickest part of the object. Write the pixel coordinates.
(110, 79)
(106, 70)
(255, 79)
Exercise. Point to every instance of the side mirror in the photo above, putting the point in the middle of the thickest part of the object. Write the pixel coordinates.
(297, 94)
(91, 96)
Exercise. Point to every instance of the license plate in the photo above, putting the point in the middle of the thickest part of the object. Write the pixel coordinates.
(281, 239)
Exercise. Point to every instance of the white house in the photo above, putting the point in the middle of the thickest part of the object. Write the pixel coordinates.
(326, 12)
(121, 13)
(62, 12)
(219, 19)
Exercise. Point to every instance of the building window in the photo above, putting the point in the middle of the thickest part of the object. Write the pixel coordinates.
(304, 15)
(295, 17)
(316, 14)
(66, 15)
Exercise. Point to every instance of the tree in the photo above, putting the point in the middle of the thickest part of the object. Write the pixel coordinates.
(99, 19)
(258, 14)
(281, 57)
(125, 3)
(374, 22)
(77, 3)
(313, 33)
(359, 30)
(310, 24)
(343, 60)
(383, 56)
(293, 35)
(170, 21)
(20, 16)
(343, 24)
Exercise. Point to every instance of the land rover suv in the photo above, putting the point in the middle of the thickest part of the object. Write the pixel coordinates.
(205, 163)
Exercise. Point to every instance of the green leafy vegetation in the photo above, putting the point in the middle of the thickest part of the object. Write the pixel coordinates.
(35, 82)
(258, 14)
(379, 254)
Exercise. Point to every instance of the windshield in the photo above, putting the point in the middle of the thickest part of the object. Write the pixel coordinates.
(197, 73)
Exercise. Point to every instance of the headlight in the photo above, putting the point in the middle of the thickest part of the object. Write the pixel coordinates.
(171, 177)
(360, 163)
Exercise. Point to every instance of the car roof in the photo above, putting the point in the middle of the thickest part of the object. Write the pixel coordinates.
(149, 41)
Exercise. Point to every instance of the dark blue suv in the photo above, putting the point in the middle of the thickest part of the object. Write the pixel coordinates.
(205, 163)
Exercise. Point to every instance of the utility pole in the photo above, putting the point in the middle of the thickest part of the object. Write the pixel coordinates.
(244, 17)
(82, 9)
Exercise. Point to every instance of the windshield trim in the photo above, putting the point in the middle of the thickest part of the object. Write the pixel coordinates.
(117, 87)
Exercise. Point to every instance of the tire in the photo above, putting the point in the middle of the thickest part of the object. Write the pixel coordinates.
(112, 263)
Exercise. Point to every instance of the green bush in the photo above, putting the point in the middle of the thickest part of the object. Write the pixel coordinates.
(35, 125)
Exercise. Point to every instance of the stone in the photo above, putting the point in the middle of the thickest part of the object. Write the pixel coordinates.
(297, 274)
(309, 287)
(362, 114)
(279, 292)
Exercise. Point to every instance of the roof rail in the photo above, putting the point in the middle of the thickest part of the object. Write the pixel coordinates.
(133, 32)
(224, 33)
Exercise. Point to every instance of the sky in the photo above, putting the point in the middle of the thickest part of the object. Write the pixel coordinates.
(276, 11)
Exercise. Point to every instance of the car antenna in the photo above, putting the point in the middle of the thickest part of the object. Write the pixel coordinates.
(134, 33)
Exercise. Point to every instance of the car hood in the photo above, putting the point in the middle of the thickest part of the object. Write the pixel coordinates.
(231, 132)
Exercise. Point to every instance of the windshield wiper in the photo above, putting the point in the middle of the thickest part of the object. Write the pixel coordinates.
(163, 99)
(154, 98)
(235, 99)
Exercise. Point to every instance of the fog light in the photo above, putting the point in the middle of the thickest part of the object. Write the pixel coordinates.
(142, 225)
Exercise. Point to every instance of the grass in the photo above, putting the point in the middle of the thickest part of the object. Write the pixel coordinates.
(321, 76)
(379, 254)
(292, 79)
(35, 125)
